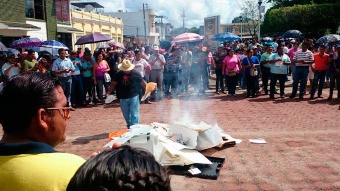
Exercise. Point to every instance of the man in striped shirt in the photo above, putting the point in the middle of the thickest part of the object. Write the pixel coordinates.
(302, 59)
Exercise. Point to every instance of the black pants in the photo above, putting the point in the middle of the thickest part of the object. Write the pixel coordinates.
(251, 86)
(265, 78)
(282, 80)
(219, 80)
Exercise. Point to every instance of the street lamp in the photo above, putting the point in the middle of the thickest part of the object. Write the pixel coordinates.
(259, 34)
(241, 19)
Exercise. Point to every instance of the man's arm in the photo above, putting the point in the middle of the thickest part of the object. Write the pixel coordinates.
(112, 87)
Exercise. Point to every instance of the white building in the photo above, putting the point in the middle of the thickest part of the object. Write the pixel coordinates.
(134, 25)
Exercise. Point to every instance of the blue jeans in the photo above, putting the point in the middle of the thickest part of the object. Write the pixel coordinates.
(265, 78)
(334, 78)
(77, 90)
(231, 83)
(130, 109)
(171, 80)
(319, 78)
(292, 68)
(67, 87)
(219, 80)
(100, 84)
(88, 87)
(207, 75)
(300, 75)
(186, 77)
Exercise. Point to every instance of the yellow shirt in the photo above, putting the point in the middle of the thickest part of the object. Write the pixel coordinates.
(33, 172)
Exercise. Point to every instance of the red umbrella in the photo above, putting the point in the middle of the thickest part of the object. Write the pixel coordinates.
(187, 37)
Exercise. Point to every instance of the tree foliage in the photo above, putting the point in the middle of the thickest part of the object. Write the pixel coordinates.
(249, 16)
(181, 30)
(313, 20)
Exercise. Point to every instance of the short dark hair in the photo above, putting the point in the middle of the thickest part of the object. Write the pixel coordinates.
(23, 96)
(322, 46)
(125, 168)
(30, 51)
(60, 50)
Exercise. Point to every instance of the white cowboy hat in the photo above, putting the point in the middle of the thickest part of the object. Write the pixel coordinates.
(126, 66)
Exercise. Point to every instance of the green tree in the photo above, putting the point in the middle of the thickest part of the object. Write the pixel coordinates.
(313, 20)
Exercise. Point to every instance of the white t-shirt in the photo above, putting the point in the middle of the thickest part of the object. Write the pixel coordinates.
(140, 65)
(14, 71)
(158, 65)
(285, 50)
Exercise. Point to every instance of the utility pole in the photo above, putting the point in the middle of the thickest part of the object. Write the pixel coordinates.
(183, 15)
(144, 24)
(162, 26)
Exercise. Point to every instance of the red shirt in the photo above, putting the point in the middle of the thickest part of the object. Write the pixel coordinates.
(321, 61)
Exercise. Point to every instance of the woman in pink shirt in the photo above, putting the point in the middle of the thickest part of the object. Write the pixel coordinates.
(230, 68)
(291, 54)
(99, 69)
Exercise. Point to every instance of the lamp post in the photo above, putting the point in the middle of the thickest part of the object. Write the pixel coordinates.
(259, 34)
(241, 19)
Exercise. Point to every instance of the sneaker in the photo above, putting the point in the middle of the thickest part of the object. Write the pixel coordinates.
(319, 96)
(300, 97)
(292, 96)
(223, 92)
(217, 93)
(282, 96)
(271, 97)
(147, 102)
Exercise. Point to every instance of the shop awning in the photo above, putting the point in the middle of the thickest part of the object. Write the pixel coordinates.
(68, 30)
(18, 26)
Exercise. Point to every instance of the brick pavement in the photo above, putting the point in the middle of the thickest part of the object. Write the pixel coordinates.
(301, 154)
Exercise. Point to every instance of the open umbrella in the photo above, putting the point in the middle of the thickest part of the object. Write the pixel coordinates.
(187, 37)
(117, 44)
(54, 44)
(26, 42)
(92, 38)
(226, 36)
(13, 51)
(292, 34)
(267, 39)
(328, 38)
(3, 47)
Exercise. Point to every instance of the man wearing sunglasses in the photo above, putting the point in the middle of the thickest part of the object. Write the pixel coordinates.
(34, 114)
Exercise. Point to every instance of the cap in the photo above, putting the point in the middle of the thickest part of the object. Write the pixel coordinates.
(254, 47)
(11, 55)
(292, 41)
(155, 48)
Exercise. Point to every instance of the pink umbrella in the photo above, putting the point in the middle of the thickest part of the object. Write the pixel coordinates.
(187, 37)
(117, 44)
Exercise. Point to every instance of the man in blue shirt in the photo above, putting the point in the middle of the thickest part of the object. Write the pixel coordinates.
(278, 70)
(77, 92)
(63, 67)
(334, 72)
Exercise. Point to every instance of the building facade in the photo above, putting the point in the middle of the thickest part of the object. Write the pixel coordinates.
(243, 30)
(134, 26)
(90, 22)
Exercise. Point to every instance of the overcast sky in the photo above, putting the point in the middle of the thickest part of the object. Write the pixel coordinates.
(195, 10)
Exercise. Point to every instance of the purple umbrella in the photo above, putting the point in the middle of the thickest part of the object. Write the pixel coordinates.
(26, 42)
(92, 38)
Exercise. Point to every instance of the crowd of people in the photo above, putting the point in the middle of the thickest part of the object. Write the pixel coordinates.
(244, 64)
(39, 94)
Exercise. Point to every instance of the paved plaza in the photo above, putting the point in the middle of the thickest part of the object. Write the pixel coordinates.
(302, 150)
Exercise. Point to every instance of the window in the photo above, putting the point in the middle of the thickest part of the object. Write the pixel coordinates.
(63, 10)
(35, 9)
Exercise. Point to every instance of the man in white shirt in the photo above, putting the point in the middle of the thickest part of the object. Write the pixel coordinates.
(157, 62)
(11, 67)
(303, 59)
(63, 68)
